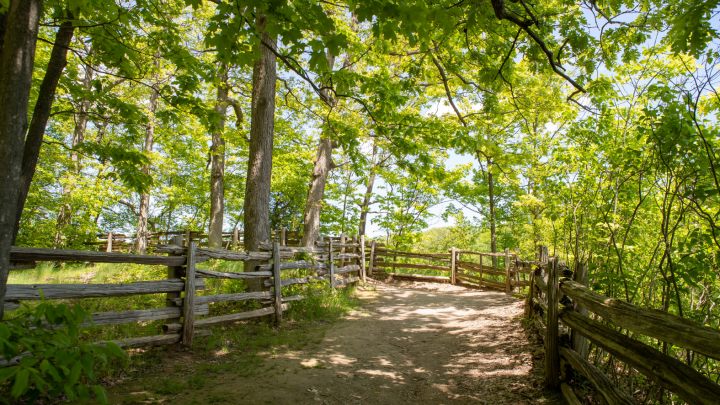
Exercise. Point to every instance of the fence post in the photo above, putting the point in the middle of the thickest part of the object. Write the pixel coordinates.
(372, 258)
(579, 342)
(174, 272)
(189, 301)
(481, 269)
(188, 237)
(235, 237)
(508, 286)
(362, 257)
(529, 301)
(277, 285)
(552, 358)
(342, 250)
(330, 261)
(109, 244)
(452, 265)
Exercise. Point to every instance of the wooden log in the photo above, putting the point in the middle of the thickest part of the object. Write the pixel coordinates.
(569, 394)
(529, 300)
(301, 264)
(480, 265)
(465, 279)
(372, 258)
(223, 319)
(142, 315)
(294, 249)
(203, 273)
(651, 322)
(486, 270)
(404, 253)
(602, 383)
(172, 273)
(189, 307)
(579, 343)
(470, 252)
(347, 269)
(293, 281)
(521, 283)
(508, 285)
(338, 256)
(21, 266)
(362, 257)
(493, 283)
(30, 254)
(412, 266)
(453, 268)
(109, 247)
(157, 340)
(206, 299)
(344, 281)
(470, 277)
(670, 373)
(277, 288)
(235, 238)
(541, 328)
(222, 254)
(552, 359)
(337, 245)
(540, 283)
(12, 305)
(420, 277)
(331, 263)
(539, 302)
(286, 299)
(17, 292)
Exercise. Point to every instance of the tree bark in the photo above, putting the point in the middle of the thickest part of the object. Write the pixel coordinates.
(41, 113)
(493, 247)
(142, 229)
(313, 205)
(368, 194)
(16, 69)
(217, 171)
(259, 174)
(321, 169)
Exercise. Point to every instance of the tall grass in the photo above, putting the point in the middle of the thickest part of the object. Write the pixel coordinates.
(302, 325)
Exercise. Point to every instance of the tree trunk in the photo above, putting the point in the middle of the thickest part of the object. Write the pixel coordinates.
(142, 229)
(493, 247)
(313, 205)
(65, 213)
(365, 207)
(321, 169)
(16, 69)
(41, 113)
(217, 170)
(259, 173)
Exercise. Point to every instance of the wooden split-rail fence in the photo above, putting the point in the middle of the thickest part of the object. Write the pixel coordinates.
(465, 267)
(560, 300)
(232, 240)
(336, 263)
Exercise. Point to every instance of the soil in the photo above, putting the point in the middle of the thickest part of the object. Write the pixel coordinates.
(412, 343)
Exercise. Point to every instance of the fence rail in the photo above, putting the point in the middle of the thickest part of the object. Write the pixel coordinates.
(577, 300)
(184, 277)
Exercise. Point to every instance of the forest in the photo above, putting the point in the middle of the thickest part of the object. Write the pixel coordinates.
(586, 126)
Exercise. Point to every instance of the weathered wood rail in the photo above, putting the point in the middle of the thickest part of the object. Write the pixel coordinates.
(458, 263)
(554, 302)
(184, 277)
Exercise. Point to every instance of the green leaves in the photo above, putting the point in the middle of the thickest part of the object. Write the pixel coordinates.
(53, 359)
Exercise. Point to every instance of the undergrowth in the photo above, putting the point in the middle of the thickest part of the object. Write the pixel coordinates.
(242, 347)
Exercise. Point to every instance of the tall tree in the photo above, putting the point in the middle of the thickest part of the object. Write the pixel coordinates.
(141, 236)
(16, 69)
(217, 153)
(262, 128)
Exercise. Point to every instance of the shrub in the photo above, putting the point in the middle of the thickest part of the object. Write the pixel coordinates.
(53, 360)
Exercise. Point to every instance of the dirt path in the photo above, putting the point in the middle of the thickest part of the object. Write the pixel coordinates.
(413, 343)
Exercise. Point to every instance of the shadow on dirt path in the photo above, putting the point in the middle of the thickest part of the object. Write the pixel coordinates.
(412, 343)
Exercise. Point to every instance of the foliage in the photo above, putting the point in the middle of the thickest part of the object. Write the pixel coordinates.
(58, 363)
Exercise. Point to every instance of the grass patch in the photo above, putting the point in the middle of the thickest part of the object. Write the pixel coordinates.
(240, 348)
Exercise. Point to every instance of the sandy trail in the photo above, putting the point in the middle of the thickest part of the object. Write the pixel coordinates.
(412, 343)
(418, 343)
